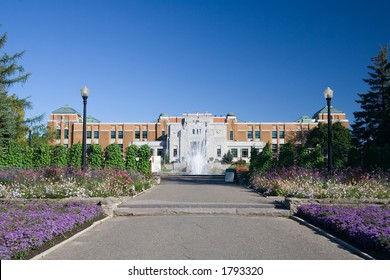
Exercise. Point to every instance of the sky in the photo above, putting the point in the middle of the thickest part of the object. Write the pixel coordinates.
(265, 61)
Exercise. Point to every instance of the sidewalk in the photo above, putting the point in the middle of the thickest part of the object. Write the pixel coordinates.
(205, 195)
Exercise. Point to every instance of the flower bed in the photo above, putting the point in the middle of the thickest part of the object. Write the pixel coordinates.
(64, 182)
(27, 227)
(367, 227)
(310, 183)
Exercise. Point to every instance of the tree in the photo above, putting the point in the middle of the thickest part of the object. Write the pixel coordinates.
(261, 162)
(74, 155)
(113, 157)
(227, 158)
(286, 155)
(372, 124)
(13, 124)
(42, 155)
(341, 142)
(95, 156)
(59, 156)
(144, 154)
(131, 157)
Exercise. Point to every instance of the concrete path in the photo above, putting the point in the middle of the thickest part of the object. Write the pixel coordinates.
(200, 195)
(151, 228)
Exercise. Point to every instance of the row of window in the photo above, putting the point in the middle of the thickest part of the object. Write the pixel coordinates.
(96, 134)
(257, 134)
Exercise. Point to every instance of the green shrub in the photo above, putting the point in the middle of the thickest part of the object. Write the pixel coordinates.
(95, 156)
(59, 156)
(113, 157)
(131, 157)
(75, 156)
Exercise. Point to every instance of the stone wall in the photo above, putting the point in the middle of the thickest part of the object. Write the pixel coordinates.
(294, 203)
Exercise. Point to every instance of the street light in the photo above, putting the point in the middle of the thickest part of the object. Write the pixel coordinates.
(29, 135)
(328, 94)
(84, 94)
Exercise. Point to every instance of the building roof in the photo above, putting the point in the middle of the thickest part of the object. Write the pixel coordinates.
(324, 110)
(305, 119)
(91, 119)
(66, 110)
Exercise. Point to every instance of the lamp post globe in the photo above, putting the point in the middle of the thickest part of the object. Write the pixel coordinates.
(84, 94)
(328, 94)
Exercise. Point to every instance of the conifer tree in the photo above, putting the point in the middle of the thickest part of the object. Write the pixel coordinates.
(372, 125)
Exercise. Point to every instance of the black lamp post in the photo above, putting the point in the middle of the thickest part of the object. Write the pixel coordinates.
(84, 95)
(328, 94)
(29, 135)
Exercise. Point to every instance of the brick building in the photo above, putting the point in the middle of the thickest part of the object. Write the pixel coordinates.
(173, 137)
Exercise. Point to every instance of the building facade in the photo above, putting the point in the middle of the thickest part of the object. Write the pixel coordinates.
(178, 139)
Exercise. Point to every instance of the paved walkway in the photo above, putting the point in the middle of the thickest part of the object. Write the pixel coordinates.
(200, 195)
(200, 218)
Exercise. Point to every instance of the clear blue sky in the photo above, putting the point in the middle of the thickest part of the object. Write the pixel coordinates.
(263, 60)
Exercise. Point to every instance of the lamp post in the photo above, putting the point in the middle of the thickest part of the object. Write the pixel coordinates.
(328, 94)
(84, 94)
(29, 135)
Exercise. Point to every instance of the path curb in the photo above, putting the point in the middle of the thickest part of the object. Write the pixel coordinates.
(335, 239)
(48, 251)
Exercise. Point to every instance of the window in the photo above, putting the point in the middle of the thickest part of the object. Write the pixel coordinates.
(219, 152)
(250, 134)
(274, 148)
(88, 146)
(137, 134)
(96, 134)
(257, 134)
(231, 135)
(66, 145)
(175, 152)
(89, 134)
(145, 135)
(58, 133)
(274, 134)
(121, 147)
(244, 153)
(163, 134)
(113, 134)
(120, 134)
(159, 152)
(233, 152)
(66, 133)
(281, 134)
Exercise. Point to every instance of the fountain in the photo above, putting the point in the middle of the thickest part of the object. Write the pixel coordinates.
(197, 159)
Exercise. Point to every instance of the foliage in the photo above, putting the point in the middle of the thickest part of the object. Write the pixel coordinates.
(144, 154)
(263, 161)
(113, 157)
(75, 155)
(341, 142)
(53, 182)
(368, 227)
(372, 125)
(41, 223)
(310, 157)
(95, 156)
(286, 156)
(227, 158)
(314, 183)
(131, 157)
(42, 155)
(59, 156)
(13, 125)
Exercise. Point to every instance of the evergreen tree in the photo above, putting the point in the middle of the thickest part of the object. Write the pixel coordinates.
(59, 156)
(286, 155)
(341, 143)
(13, 124)
(95, 156)
(372, 124)
(144, 154)
(113, 157)
(75, 155)
(131, 157)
